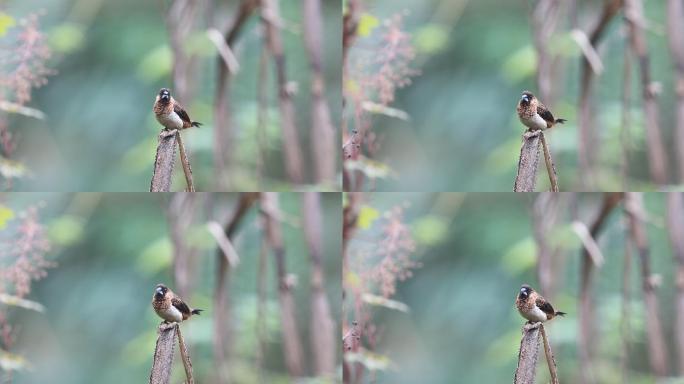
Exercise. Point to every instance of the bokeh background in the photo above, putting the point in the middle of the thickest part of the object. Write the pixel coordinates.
(107, 63)
(110, 250)
(452, 319)
(457, 128)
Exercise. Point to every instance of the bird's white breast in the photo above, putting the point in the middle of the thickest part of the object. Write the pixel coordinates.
(170, 120)
(535, 314)
(171, 314)
(535, 123)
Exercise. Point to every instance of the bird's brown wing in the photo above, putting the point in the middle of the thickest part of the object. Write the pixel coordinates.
(545, 113)
(180, 305)
(544, 306)
(183, 115)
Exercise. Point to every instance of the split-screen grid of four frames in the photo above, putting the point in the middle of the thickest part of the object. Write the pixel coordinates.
(339, 181)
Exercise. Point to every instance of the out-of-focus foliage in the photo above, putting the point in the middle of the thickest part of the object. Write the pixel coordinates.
(475, 58)
(457, 321)
(98, 325)
(111, 59)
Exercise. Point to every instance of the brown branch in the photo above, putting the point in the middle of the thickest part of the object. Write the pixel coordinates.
(181, 213)
(587, 134)
(657, 350)
(163, 355)
(294, 167)
(675, 38)
(634, 16)
(322, 325)
(292, 348)
(526, 178)
(587, 335)
(221, 328)
(164, 161)
(550, 360)
(528, 355)
(545, 217)
(187, 171)
(675, 229)
(322, 129)
(222, 132)
(185, 356)
(550, 167)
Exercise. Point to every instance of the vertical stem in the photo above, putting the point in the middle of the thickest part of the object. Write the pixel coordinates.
(186, 163)
(550, 360)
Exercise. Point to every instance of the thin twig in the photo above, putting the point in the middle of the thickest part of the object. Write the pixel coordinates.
(186, 163)
(550, 360)
(550, 167)
(187, 364)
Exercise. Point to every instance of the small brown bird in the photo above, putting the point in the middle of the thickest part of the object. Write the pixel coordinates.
(170, 114)
(534, 114)
(169, 306)
(533, 306)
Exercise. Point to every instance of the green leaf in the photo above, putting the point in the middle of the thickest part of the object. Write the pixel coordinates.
(16, 301)
(66, 230)
(155, 257)
(12, 362)
(372, 361)
(6, 22)
(367, 216)
(6, 214)
(432, 38)
(430, 230)
(367, 23)
(67, 37)
(156, 64)
(521, 256)
(520, 65)
(384, 302)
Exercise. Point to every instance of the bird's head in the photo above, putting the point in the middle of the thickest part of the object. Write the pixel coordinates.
(525, 291)
(164, 95)
(160, 291)
(526, 97)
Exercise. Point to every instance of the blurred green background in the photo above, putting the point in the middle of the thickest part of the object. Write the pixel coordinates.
(476, 250)
(112, 249)
(475, 59)
(112, 57)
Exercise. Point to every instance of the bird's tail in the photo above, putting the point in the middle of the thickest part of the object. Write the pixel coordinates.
(197, 311)
(558, 121)
(195, 124)
(560, 313)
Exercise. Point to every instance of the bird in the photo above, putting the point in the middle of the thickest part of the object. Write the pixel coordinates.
(170, 307)
(533, 306)
(534, 115)
(170, 114)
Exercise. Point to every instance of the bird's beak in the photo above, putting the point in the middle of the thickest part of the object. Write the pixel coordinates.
(525, 98)
(165, 96)
(159, 291)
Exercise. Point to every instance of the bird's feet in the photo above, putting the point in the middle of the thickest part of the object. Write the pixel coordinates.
(530, 326)
(167, 133)
(530, 134)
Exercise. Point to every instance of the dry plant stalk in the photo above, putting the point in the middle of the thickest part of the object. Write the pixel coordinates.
(526, 179)
(163, 162)
(165, 159)
(186, 163)
(550, 360)
(528, 355)
(163, 355)
(550, 167)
